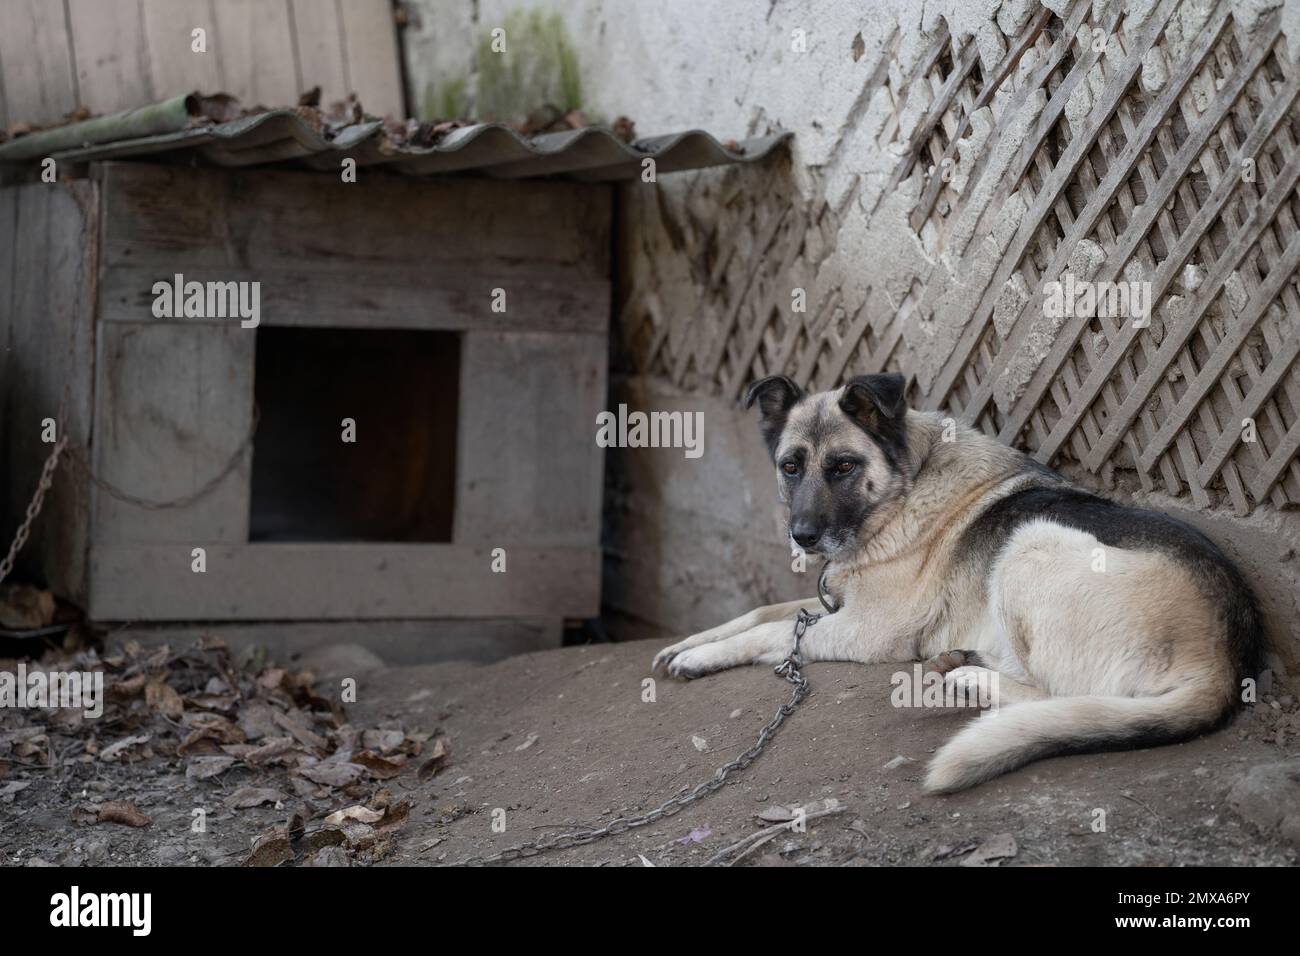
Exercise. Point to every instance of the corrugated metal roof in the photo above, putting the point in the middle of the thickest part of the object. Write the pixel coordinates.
(591, 154)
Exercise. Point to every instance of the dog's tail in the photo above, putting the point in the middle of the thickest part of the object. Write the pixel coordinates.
(1020, 733)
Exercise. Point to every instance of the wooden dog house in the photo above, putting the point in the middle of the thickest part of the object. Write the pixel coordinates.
(459, 324)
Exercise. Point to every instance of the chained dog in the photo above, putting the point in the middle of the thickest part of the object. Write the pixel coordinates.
(1107, 626)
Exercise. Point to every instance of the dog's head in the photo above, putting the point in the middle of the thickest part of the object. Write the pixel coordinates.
(838, 455)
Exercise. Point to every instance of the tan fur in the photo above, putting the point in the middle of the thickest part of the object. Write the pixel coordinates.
(1076, 650)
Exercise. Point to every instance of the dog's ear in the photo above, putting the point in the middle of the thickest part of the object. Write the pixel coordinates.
(878, 403)
(775, 395)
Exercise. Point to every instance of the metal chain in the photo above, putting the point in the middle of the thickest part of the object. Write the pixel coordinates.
(33, 507)
(788, 670)
(79, 458)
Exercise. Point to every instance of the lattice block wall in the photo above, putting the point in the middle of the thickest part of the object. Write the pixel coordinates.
(1108, 142)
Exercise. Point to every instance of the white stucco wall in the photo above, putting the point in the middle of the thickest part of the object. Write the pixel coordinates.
(679, 558)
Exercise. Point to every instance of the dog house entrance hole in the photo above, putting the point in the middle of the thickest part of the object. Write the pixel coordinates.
(396, 481)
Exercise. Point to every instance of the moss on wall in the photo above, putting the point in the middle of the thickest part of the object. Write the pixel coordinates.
(529, 68)
(538, 67)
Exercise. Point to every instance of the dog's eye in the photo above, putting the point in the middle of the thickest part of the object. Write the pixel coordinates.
(790, 468)
(845, 467)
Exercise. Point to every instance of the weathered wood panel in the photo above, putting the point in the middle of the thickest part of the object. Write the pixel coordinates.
(308, 581)
(257, 51)
(47, 293)
(394, 254)
(174, 405)
(39, 83)
(529, 469)
(173, 398)
(174, 67)
(112, 55)
(372, 54)
(318, 39)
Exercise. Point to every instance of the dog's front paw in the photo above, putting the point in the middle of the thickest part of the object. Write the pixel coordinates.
(664, 657)
(691, 663)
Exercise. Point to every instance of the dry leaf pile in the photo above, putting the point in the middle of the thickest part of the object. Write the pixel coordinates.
(244, 736)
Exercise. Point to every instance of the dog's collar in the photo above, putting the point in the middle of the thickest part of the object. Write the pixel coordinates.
(824, 591)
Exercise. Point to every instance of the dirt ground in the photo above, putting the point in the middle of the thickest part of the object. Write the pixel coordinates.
(545, 742)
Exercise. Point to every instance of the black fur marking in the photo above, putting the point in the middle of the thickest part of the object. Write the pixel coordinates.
(1132, 529)
(776, 395)
(878, 405)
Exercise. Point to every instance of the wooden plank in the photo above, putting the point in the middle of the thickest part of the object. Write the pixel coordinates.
(441, 296)
(530, 470)
(1177, 337)
(174, 405)
(174, 68)
(1198, 389)
(1047, 196)
(111, 56)
(270, 220)
(1119, 168)
(47, 278)
(4, 105)
(1205, 215)
(360, 581)
(257, 51)
(1283, 455)
(370, 46)
(1055, 180)
(318, 38)
(394, 254)
(964, 61)
(934, 183)
(39, 82)
(1134, 235)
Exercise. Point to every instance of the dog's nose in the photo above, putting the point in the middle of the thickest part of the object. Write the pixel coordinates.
(805, 533)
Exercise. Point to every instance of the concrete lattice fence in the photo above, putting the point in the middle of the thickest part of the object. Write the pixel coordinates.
(1150, 143)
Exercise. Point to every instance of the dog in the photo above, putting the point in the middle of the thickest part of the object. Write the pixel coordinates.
(1107, 626)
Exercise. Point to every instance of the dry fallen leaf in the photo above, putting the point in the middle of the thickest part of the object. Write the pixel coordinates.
(162, 697)
(338, 774)
(992, 851)
(119, 811)
(380, 768)
(270, 849)
(272, 749)
(360, 814)
(205, 768)
(120, 747)
(246, 797)
(439, 754)
(298, 729)
(328, 856)
(128, 688)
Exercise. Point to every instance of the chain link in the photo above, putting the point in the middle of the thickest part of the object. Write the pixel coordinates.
(79, 460)
(33, 507)
(788, 670)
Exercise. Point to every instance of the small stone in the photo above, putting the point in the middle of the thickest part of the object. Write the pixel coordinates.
(897, 762)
